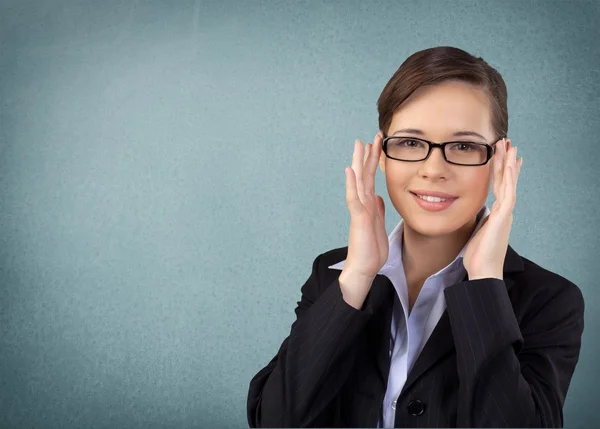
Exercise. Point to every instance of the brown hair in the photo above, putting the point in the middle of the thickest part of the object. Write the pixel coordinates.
(438, 64)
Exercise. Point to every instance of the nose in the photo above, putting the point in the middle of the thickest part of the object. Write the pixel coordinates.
(435, 165)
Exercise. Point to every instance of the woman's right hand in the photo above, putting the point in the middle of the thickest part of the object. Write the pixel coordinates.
(368, 245)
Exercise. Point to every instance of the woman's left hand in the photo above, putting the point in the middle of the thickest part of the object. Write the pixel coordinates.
(485, 253)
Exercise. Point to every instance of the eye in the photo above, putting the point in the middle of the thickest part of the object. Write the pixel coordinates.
(465, 147)
(410, 143)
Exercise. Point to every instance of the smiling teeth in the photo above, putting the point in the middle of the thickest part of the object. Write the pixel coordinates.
(431, 199)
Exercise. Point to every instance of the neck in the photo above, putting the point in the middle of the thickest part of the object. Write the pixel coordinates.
(423, 256)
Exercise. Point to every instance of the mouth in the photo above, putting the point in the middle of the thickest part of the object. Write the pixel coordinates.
(433, 204)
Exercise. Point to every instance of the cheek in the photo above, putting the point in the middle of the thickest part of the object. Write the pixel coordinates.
(398, 175)
(478, 182)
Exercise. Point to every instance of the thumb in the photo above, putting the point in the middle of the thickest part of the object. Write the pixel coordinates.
(381, 209)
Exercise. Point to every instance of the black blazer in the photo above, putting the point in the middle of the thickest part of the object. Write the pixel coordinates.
(502, 355)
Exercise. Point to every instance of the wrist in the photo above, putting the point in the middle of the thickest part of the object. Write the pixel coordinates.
(479, 276)
(354, 287)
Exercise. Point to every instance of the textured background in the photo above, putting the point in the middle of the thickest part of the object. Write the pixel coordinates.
(170, 169)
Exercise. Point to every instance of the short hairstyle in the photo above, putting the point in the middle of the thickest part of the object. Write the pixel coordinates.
(439, 64)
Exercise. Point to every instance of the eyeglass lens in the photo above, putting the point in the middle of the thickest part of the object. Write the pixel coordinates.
(408, 149)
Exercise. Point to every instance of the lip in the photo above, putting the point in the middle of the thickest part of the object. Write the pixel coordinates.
(432, 193)
(433, 207)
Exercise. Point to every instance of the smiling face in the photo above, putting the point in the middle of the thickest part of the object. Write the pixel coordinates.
(439, 111)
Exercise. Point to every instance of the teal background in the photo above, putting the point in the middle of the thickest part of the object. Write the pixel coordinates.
(170, 169)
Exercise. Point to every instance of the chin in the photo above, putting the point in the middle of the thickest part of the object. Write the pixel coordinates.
(433, 228)
(434, 224)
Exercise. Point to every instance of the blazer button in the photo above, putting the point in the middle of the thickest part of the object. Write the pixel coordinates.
(416, 407)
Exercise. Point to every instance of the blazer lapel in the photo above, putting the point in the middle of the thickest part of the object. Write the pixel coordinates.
(380, 301)
(441, 341)
(439, 344)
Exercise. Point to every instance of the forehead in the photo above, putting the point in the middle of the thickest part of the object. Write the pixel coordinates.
(442, 109)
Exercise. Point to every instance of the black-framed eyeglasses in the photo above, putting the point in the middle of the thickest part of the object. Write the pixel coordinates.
(413, 149)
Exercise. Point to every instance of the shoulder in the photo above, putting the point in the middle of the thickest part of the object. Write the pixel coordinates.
(326, 259)
(322, 276)
(543, 279)
(333, 256)
(537, 287)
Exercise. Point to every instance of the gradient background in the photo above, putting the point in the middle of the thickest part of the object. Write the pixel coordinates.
(170, 169)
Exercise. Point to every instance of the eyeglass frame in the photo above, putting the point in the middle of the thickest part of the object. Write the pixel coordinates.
(491, 149)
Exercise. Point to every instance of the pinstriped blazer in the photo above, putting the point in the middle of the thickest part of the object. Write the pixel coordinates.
(502, 355)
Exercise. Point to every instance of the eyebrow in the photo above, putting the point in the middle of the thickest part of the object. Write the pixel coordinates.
(456, 134)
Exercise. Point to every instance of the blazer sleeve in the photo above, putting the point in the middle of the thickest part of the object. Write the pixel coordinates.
(511, 376)
(298, 385)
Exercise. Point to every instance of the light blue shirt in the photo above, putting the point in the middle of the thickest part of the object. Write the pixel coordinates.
(409, 332)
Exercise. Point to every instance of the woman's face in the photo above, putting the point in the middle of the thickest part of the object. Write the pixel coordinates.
(439, 111)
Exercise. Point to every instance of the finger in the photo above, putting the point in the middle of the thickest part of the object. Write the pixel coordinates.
(509, 153)
(371, 166)
(357, 166)
(508, 202)
(517, 169)
(515, 166)
(509, 192)
(354, 204)
(366, 182)
(501, 189)
(498, 167)
(506, 157)
(508, 162)
(514, 161)
(380, 210)
(381, 233)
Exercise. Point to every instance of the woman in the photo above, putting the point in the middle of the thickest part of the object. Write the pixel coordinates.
(441, 324)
